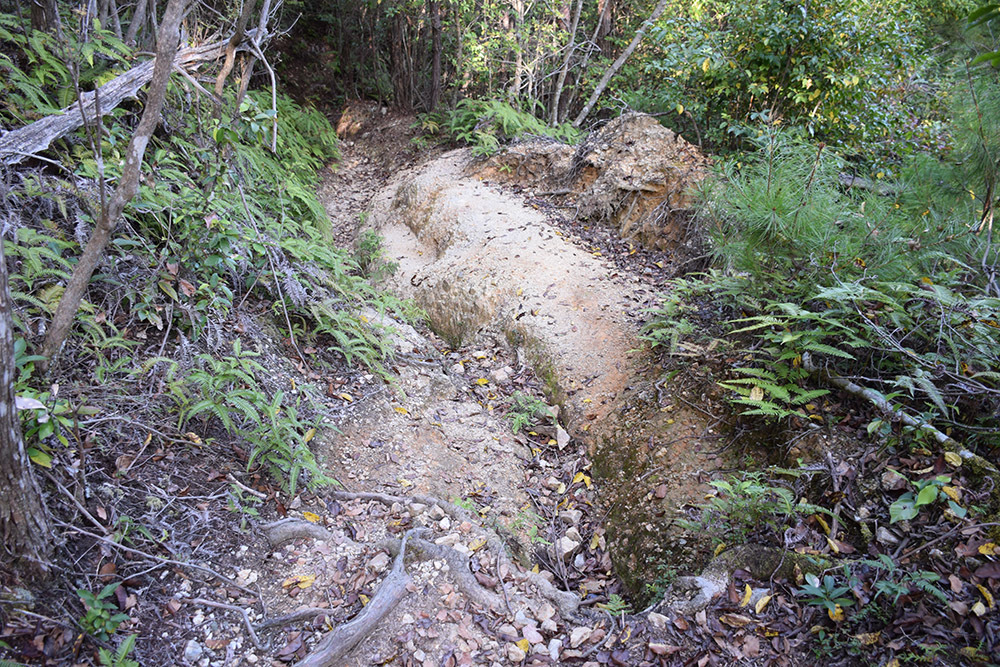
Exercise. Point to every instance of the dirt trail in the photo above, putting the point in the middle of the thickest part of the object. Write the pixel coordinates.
(430, 460)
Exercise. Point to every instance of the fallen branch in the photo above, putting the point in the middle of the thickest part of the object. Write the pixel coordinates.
(879, 401)
(304, 614)
(338, 642)
(24, 142)
(286, 530)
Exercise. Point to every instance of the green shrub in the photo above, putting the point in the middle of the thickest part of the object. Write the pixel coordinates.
(836, 70)
(484, 124)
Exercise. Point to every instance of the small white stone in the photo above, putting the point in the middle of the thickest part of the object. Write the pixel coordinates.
(445, 523)
(658, 621)
(555, 645)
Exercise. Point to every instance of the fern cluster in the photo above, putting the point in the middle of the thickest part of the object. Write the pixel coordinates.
(485, 124)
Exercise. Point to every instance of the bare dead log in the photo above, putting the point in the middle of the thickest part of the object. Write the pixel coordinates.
(338, 642)
(22, 143)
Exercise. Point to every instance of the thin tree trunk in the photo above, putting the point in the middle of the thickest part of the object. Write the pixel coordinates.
(234, 41)
(435, 10)
(515, 87)
(564, 70)
(138, 21)
(24, 524)
(128, 185)
(617, 64)
(116, 22)
(45, 16)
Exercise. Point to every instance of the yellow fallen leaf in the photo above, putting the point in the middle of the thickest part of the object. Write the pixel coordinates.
(562, 489)
(534, 569)
(552, 441)
(401, 410)
(761, 603)
(986, 595)
(477, 544)
(403, 482)
(893, 663)
(479, 355)
(310, 517)
(581, 477)
(735, 620)
(747, 593)
(979, 609)
(988, 549)
(300, 580)
(719, 549)
(364, 599)
(520, 291)
(822, 522)
(347, 397)
(836, 615)
(953, 459)
(310, 434)
(952, 493)
(193, 437)
(868, 638)
(833, 546)
(595, 542)
(523, 644)
(482, 381)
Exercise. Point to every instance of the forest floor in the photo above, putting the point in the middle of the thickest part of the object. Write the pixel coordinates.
(464, 464)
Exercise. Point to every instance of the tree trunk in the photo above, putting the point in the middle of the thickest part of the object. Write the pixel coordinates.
(435, 11)
(564, 70)
(138, 22)
(617, 64)
(45, 16)
(24, 524)
(517, 81)
(167, 42)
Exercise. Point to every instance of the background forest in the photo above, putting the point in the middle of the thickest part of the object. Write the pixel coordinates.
(847, 232)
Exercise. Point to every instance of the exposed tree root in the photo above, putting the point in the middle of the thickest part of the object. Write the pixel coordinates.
(567, 604)
(297, 616)
(338, 642)
(285, 530)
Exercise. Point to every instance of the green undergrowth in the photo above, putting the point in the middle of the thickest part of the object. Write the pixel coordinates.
(488, 123)
(221, 227)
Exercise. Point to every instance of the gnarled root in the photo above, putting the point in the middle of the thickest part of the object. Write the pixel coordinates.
(338, 642)
(567, 604)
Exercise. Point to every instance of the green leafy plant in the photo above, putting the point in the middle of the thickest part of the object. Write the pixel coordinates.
(369, 254)
(896, 582)
(741, 506)
(616, 605)
(120, 657)
(98, 619)
(925, 492)
(525, 411)
(824, 593)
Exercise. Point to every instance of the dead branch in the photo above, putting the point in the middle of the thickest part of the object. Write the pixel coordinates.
(304, 614)
(338, 642)
(160, 559)
(24, 142)
(898, 414)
